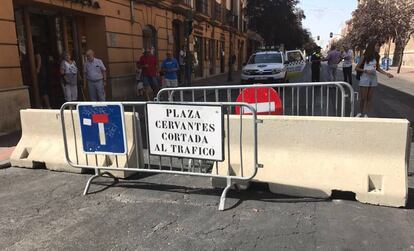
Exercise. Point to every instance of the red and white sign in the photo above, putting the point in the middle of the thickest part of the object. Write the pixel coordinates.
(101, 119)
(265, 100)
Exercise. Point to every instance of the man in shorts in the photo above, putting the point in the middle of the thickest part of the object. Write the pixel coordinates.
(148, 63)
(170, 67)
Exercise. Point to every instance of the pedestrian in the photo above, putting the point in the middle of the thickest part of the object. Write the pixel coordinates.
(316, 59)
(41, 62)
(95, 76)
(189, 66)
(69, 72)
(148, 63)
(170, 67)
(368, 66)
(333, 58)
(181, 60)
(138, 80)
(347, 56)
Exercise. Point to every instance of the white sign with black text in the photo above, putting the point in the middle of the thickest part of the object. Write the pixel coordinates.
(188, 131)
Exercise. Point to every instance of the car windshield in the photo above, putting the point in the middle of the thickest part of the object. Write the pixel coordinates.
(265, 58)
(294, 56)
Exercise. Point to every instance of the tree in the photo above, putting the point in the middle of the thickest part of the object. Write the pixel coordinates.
(278, 22)
(383, 20)
(403, 27)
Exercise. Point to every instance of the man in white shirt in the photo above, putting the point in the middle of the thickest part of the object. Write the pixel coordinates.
(347, 56)
(95, 76)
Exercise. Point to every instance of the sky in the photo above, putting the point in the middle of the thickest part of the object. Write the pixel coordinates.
(325, 16)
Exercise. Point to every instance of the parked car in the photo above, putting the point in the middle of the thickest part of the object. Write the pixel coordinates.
(265, 67)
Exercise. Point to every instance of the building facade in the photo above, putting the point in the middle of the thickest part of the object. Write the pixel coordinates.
(388, 48)
(118, 31)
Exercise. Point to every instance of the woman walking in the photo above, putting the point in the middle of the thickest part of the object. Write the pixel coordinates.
(368, 66)
(69, 72)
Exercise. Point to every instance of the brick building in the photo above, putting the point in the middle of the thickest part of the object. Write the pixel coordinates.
(118, 31)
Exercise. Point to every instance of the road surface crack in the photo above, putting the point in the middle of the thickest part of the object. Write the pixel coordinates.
(161, 226)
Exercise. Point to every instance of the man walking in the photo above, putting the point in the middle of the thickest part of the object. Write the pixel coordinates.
(347, 55)
(148, 63)
(333, 58)
(316, 65)
(95, 76)
(170, 67)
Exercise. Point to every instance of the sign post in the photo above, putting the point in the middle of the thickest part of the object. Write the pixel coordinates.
(102, 128)
(186, 131)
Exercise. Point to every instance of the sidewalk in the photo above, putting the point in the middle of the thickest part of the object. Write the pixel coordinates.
(7, 145)
(220, 79)
(403, 82)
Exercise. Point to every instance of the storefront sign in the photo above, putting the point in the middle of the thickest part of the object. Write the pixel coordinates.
(188, 131)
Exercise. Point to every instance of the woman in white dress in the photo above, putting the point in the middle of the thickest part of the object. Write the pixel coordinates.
(368, 66)
(69, 72)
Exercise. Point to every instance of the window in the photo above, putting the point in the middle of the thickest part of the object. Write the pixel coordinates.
(265, 58)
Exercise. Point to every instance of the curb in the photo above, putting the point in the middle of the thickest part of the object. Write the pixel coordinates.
(5, 154)
(5, 164)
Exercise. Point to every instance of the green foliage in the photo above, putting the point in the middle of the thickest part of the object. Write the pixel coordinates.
(279, 22)
(381, 20)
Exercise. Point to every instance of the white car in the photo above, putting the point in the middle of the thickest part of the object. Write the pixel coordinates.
(264, 67)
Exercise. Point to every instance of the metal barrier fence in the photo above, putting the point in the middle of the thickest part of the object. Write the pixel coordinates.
(299, 99)
(138, 157)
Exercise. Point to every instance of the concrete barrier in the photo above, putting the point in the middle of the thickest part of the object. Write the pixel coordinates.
(312, 156)
(42, 145)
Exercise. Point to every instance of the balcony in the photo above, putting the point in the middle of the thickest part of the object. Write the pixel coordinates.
(217, 12)
(181, 5)
(186, 3)
(201, 6)
(230, 19)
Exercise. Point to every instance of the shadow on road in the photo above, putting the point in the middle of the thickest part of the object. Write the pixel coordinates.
(11, 139)
(410, 200)
(255, 192)
(394, 104)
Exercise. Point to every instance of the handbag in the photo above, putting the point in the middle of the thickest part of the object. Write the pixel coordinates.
(359, 73)
(65, 80)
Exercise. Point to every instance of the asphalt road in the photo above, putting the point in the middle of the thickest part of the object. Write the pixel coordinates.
(44, 210)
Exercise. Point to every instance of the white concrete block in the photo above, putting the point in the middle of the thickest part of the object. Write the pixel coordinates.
(42, 143)
(311, 156)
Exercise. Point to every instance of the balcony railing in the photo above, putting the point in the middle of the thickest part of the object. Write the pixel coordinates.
(183, 2)
(230, 19)
(202, 6)
(217, 12)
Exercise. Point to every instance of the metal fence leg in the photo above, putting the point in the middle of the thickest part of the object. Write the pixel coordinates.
(88, 184)
(97, 174)
(223, 195)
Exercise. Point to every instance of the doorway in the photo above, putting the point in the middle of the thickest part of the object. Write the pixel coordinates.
(178, 46)
(149, 39)
(198, 57)
(240, 57)
(51, 34)
(212, 57)
(177, 35)
(222, 62)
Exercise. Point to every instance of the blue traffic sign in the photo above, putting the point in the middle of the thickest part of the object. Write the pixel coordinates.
(102, 128)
